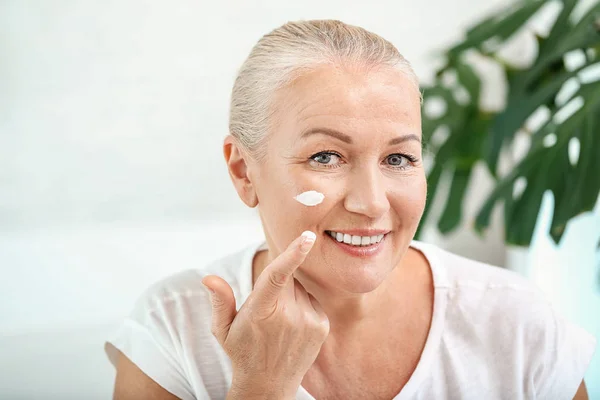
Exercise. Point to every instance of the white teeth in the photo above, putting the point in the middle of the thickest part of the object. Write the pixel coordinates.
(354, 239)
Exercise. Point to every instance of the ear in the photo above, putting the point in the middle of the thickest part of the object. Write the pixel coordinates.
(237, 164)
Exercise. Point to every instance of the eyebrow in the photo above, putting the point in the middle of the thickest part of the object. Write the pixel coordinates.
(347, 139)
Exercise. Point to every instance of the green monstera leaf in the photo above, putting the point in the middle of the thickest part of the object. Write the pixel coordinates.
(564, 155)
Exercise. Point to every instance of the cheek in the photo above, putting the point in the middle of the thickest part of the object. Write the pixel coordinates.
(284, 217)
(408, 200)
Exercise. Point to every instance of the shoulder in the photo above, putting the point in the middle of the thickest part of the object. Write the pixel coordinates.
(480, 286)
(492, 302)
(480, 293)
(185, 287)
(169, 328)
(497, 313)
(458, 271)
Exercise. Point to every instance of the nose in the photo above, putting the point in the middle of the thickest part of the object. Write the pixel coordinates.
(367, 193)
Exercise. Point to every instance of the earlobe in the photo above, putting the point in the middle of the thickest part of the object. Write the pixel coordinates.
(238, 167)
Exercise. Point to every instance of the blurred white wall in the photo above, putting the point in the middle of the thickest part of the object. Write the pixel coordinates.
(116, 110)
(112, 116)
(113, 113)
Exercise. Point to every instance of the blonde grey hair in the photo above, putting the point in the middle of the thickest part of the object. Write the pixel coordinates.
(286, 53)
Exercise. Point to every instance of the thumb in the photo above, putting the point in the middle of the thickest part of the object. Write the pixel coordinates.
(223, 306)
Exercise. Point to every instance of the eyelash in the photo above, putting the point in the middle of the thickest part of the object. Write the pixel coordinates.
(410, 158)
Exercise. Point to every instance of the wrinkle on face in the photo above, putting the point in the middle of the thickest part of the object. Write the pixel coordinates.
(372, 107)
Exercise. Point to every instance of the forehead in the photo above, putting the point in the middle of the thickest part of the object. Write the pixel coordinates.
(351, 98)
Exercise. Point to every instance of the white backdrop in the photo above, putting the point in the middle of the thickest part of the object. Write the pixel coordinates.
(112, 116)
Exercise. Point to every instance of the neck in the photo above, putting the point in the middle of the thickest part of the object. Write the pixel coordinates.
(351, 313)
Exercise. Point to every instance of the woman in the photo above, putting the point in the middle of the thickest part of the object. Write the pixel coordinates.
(326, 139)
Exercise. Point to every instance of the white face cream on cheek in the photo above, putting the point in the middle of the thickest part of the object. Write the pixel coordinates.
(310, 198)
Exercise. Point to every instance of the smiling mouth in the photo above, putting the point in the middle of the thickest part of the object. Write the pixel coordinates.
(356, 240)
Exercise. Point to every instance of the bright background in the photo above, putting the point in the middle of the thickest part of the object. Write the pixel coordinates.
(112, 116)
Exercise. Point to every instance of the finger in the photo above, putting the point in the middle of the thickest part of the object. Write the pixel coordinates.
(318, 309)
(301, 296)
(275, 277)
(309, 306)
(223, 306)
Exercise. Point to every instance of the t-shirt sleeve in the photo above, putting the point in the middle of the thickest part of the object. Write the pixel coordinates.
(568, 353)
(148, 338)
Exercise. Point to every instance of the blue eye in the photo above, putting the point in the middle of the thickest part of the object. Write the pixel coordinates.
(326, 159)
(322, 158)
(401, 161)
(396, 160)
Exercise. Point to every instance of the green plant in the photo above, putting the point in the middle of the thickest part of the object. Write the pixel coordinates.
(476, 135)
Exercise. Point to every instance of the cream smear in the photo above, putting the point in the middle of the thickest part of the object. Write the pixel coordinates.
(310, 198)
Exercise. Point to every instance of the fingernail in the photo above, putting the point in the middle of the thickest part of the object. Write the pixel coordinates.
(308, 238)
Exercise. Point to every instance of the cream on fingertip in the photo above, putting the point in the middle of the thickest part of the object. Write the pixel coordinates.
(309, 236)
(308, 239)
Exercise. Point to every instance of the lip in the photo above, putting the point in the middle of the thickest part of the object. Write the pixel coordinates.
(361, 232)
(361, 251)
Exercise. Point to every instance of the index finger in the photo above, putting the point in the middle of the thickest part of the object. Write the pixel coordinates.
(276, 275)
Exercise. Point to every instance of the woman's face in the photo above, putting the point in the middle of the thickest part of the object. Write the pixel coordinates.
(355, 136)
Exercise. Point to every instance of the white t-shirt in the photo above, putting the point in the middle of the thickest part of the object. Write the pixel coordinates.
(492, 335)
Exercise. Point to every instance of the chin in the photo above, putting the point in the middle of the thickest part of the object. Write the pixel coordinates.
(350, 276)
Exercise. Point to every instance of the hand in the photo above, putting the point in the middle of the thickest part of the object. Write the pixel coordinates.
(278, 332)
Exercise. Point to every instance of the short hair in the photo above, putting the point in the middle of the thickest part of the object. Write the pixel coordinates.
(286, 53)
